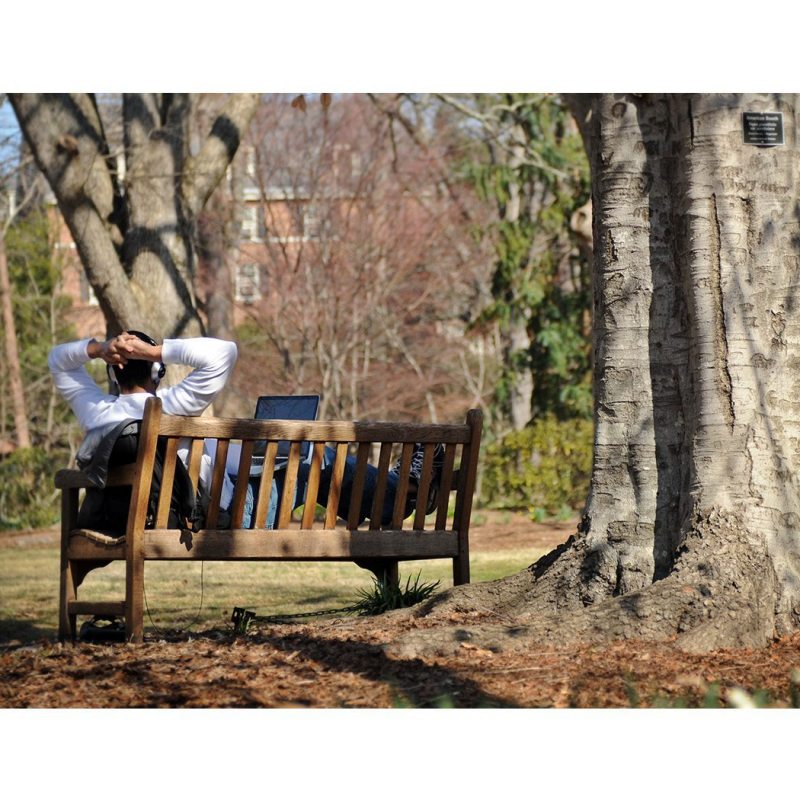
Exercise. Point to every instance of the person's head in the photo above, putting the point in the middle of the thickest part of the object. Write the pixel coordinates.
(138, 374)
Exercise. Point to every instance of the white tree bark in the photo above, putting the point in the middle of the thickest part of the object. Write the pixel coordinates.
(692, 525)
(135, 237)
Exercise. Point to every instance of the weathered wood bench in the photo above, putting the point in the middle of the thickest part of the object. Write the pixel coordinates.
(370, 545)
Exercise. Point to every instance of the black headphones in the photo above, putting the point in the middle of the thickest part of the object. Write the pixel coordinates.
(157, 371)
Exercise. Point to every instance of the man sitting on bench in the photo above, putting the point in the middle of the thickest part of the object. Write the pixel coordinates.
(136, 365)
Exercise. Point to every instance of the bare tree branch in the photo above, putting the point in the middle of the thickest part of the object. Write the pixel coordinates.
(204, 171)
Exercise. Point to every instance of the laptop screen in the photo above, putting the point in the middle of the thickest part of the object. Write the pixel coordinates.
(296, 406)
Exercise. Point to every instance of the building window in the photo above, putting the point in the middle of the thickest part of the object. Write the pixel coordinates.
(248, 283)
(253, 222)
(311, 226)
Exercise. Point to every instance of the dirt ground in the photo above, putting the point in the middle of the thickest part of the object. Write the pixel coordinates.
(341, 663)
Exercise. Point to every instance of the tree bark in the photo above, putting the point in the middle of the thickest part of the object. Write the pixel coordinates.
(20, 410)
(690, 529)
(516, 337)
(135, 236)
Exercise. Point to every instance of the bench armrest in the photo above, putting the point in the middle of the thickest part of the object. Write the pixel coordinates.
(75, 479)
(71, 479)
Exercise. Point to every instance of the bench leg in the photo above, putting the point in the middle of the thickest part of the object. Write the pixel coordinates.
(134, 600)
(67, 584)
(66, 622)
(384, 569)
(461, 570)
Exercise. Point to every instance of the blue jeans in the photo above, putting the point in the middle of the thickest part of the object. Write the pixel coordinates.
(328, 458)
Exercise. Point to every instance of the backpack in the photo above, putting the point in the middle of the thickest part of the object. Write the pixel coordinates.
(106, 508)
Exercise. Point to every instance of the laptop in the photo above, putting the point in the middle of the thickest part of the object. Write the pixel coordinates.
(296, 407)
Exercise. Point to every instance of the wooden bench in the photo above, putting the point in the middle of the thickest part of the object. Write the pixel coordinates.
(370, 545)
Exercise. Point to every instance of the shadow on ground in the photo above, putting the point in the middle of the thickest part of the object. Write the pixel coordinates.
(17, 633)
(413, 683)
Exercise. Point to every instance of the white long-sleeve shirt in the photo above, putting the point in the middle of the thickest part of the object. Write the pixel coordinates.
(98, 412)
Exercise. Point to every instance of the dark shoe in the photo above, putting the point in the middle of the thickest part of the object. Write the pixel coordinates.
(415, 472)
(94, 631)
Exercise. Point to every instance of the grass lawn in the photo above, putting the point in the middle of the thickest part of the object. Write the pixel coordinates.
(29, 588)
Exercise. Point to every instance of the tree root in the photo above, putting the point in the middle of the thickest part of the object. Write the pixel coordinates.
(718, 595)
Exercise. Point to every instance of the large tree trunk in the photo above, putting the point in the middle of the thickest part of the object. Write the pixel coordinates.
(135, 234)
(691, 525)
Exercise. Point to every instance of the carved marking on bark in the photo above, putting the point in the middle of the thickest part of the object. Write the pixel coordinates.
(720, 332)
(611, 249)
(752, 239)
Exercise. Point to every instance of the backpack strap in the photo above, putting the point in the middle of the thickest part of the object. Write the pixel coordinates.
(96, 469)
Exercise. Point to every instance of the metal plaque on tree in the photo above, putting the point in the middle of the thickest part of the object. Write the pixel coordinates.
(763, 128)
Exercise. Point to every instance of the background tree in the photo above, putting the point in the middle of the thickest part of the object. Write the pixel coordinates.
(514, 168)
(531, 167)
(131, 201)
(9, 208)
(33, 426)
(354, 245)
(690, 528)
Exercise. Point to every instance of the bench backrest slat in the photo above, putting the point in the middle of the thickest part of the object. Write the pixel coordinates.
(358, 484)
(312, 491)
(195, 460)
(167, 481)
(424, 485)
(402, 487)
(217, 480)
(445, 486)
(289, 485)
(334, 493)
(380, 487)
(265, 486)
(242, 479)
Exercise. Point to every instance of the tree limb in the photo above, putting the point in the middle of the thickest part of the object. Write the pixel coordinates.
(66, 138)
(204, 171)
(395, 114)
(581, 107)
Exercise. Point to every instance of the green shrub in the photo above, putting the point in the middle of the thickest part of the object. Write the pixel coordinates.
(28, 498)
(543, 469)
(386, 596)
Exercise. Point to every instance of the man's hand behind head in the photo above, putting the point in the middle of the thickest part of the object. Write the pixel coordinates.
(132, 347)
(119, 350)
